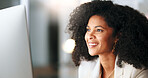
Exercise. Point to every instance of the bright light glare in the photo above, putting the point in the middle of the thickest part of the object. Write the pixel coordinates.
(84, 1)
(69, 45)
(56, 5)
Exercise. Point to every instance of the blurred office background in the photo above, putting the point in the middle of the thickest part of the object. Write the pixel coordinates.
(47, 21)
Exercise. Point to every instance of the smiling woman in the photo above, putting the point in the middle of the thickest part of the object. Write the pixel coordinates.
(99, 38)
(111, 41)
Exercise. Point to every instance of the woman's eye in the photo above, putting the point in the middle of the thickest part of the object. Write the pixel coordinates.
(88, 29)
(99, 30)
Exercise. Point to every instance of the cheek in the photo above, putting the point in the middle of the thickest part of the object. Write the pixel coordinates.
(105, 41)
(101, 39)
(110, 42)
(85, 37)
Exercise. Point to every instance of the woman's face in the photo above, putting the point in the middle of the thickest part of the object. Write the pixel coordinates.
(99, 38)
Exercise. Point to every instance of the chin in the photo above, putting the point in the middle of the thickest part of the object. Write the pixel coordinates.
(92, 54)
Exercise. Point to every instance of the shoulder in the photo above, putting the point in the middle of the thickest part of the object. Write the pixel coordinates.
(140, 73)
(85, 68)
(135, 73)
(85, 63)
(128, 71)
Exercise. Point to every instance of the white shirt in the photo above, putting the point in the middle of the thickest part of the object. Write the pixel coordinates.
(91, 69)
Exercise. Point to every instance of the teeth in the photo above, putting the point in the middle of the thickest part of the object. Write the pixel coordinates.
(92, 44)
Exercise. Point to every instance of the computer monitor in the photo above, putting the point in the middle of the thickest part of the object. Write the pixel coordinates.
(15, 60)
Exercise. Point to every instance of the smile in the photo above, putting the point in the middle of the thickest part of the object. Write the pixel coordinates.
(92, 44)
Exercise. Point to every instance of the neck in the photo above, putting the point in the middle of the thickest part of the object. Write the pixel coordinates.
(108, 62)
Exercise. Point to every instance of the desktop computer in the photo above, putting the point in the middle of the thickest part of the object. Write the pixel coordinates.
(15, 56)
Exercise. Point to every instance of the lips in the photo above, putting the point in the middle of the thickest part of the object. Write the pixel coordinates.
(92, 44)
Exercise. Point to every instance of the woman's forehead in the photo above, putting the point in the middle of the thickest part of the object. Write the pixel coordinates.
(97, 21)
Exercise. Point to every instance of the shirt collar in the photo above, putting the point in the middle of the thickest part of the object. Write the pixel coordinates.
(118, 72)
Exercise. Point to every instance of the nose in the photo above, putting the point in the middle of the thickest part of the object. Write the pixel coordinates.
(91, 35)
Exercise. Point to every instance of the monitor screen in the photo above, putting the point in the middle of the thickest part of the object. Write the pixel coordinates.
(15, 60)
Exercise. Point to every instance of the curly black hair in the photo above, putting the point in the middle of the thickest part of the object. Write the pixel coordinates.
(128, 23)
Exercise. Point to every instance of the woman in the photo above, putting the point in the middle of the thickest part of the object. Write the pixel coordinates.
(111, 41)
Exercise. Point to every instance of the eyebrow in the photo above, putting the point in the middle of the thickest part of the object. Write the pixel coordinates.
(97, 26)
